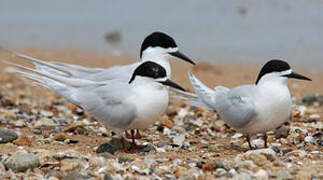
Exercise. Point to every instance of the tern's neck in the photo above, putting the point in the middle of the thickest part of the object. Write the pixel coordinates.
(159, 58)
(273, 84)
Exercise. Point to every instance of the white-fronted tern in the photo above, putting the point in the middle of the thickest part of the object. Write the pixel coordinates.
(253, 108)
(121, 105)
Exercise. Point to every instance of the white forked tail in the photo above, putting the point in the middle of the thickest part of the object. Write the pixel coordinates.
(186, 97)
(64, 86)
(205, 94)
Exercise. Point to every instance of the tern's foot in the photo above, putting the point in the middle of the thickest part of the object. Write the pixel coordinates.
(134, 134)
(137, 135)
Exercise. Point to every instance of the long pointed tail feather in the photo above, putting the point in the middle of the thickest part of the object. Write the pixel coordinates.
(205, 94)
(186, 97)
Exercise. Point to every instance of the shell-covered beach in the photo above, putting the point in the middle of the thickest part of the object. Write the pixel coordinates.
(42, 136)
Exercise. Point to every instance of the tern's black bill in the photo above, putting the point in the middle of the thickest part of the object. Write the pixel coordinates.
(182, 56)
(297, 76)
(172, 84)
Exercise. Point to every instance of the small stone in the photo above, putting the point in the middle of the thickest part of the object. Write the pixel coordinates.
(242, 176)
(313, 98)
(257, 158)
(69, 165)
(215, 148)
(191, 174)
(218, 164)
(309, 139)
(281, 132)
(283, 174)
(123, 159)
(20, 162)
(237, 135)
(179, 140)
(171, 112)
(107, 176)
(147, 148)
(60, 137)
(23, 141)
(166, 122)
(261, 175)
(107, 155)
(112, 146)
(160, 128)
(269, 153)
(72, 127)
(19, 123)
(303, 175)
(75, 176)
(209, 166)
(258, 143)
(7, 135)
(45, 122)
(162, 143)
(37, 131)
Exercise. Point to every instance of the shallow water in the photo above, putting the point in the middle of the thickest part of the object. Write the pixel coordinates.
(244, 31)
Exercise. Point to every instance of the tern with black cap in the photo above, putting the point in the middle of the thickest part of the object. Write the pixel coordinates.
(157, 47)
(253, 108)
(120, 105)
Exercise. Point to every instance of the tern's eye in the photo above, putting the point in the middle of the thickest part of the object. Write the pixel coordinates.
(155, 72)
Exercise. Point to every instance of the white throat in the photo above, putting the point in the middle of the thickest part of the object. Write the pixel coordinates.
(159, 56)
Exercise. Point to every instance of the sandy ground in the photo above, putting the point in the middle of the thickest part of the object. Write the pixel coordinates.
(224, 148)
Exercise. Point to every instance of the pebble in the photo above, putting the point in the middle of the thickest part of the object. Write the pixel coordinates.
(281, 175)
(269, 153)
(112, 146)
(107, 176)
(45, 122)
(242, 176)
(258, 143)
(261, 175)
(23, 141)
(281, 132)
(20, 162)
(215, 148)
(7, 135)
(69, 165)
(19, 123)
(313, 98)
(179, 140)
(75, 176)
(72, 127)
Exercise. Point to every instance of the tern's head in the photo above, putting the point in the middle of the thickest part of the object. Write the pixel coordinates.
(155, 72)
(160, 44)
(278, 70)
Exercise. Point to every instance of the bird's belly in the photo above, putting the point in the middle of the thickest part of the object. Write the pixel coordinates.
(270, 117)
(150, 108)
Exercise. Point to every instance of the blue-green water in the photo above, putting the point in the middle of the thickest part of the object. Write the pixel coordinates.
(243, 31)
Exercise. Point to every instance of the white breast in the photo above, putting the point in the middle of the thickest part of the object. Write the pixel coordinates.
(151, 102)
(273, 106)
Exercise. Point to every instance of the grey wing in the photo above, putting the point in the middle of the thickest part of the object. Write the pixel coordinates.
(237, 107)
(109, 104)
(115, 72)
(80, 72)
(77, 71)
